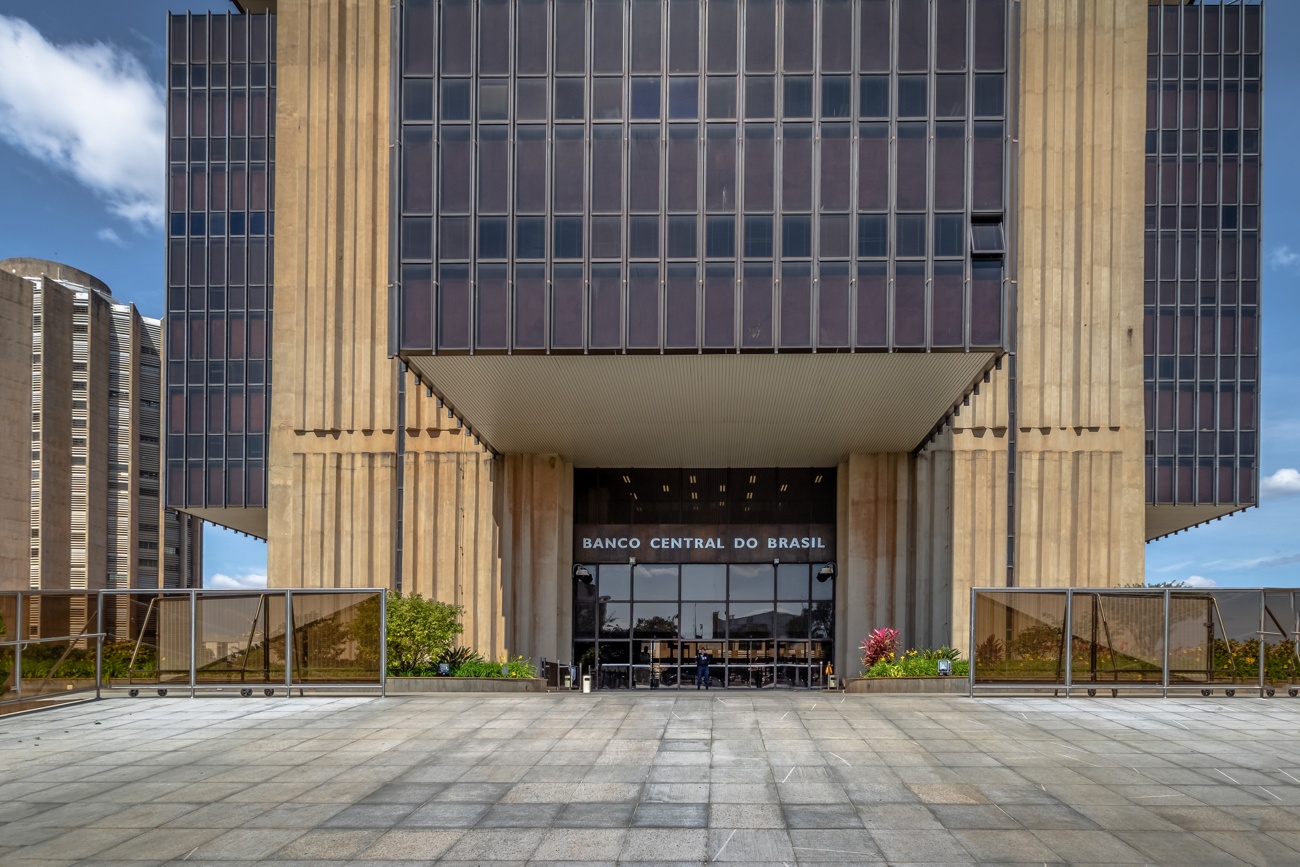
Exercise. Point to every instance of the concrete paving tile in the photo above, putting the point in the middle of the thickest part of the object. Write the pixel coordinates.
(370, 816)
(750, 845)
(1202, 818)
(822, 816)
(495, 844)
(221, 815)
(149, 815)
(471, 793)
(1046, 817)
(679, 793)
(1253, 848)
(1096, 846)
(322, 843)
(1179, 848)
(928, 847)
(880, 793)
(539, 793)
(1266, 818)
(897, 817)
(74, 844)
(161, 843)
(1007, 847)
(811, 793)
(679, 774)
(403, 793)
(743, 793)
(520, 816)
(295, 815)
(443, 816)
(665, 844)
(746, 816)
(570, 844)
(670, 815)
(246, 844)
(595, 815)
(410, 844)
(973, 816)
(947, 793)
(596, 793)
(842, 846)
(1127, 818)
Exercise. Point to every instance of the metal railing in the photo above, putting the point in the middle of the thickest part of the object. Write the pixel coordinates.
(74, 643)
(1166, 641)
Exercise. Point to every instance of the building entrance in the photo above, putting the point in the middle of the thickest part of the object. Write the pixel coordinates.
(735, 563)
(763, 626)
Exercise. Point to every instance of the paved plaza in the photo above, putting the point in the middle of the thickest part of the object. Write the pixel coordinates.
(660, 777)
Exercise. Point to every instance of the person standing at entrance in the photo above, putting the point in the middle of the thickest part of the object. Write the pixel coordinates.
(702, 662)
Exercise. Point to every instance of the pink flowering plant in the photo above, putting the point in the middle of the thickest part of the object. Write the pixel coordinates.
(880, 645)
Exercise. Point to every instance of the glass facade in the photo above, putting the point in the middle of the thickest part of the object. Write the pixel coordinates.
(220, 195)
(765, 615)
(640, 176)
(1203, 172)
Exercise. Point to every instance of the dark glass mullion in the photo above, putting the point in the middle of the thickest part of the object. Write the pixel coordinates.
(814, 237)
(855, 121)
(512, 169)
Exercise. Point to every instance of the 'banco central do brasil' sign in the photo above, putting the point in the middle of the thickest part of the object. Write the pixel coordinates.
(703, 543)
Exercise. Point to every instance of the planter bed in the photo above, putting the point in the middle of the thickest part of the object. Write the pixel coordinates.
(878, 685)
(420, 685)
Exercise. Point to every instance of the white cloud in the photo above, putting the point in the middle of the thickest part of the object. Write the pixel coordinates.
(1283, 258)
(1284, 481)
(87, 109)
(1199, 581)
(250, 580)
(110, 236)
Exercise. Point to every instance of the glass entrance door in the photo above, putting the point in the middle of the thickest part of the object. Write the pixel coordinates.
(764, 626)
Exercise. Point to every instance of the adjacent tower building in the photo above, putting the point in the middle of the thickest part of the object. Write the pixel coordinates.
(638, 326)
(94, 395)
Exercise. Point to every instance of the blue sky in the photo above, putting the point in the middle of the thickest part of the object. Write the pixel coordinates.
(89, 194)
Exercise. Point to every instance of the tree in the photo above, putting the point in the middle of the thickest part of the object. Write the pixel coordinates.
(419, 631)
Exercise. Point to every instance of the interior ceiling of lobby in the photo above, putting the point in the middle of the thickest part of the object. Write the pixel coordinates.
(703, 410)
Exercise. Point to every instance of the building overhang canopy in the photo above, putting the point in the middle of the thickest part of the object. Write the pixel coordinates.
(703, 410)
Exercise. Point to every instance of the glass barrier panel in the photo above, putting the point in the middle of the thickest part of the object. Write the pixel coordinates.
(1281, 627)
(1214, 638)
(1117, 638)
(337, 637)
(53, 667)
(240, 638)
(147, 640)
(8, 679)
(1191, 639)
(1019, 637)
(9, 617)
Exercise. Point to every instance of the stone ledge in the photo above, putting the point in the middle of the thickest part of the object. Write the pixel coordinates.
(416, 685)
(910, 685)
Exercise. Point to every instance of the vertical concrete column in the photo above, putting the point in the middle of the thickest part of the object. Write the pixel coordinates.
(537, 555)
(874, 542)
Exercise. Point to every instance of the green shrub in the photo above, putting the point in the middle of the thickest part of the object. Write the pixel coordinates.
(455, 657)
(477, 668)
(915, 663)
(419, 632)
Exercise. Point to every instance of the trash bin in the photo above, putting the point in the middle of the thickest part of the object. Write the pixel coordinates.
(586, 683)
(568, 679)
(831, 682)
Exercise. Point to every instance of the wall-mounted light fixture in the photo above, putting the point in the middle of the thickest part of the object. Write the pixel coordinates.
(826, 572)
(581, 573)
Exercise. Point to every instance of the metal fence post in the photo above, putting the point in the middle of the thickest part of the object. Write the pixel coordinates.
(1262, 645)
(971, 689)
(1164, 666)
(99, 644)
(194, 642)
(383, 642)
(1067, 646)
(289, 642)
(20, 632)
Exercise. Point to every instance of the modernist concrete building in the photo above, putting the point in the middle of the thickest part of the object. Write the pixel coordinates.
(85, 371)
(713, 300)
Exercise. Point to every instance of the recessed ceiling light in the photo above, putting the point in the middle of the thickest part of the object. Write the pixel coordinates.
(753, 479)
(692, 480)
(722, 489)
(749, 496)
(818, 479)
(784, 488)
(665, 489)
(626, 480)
